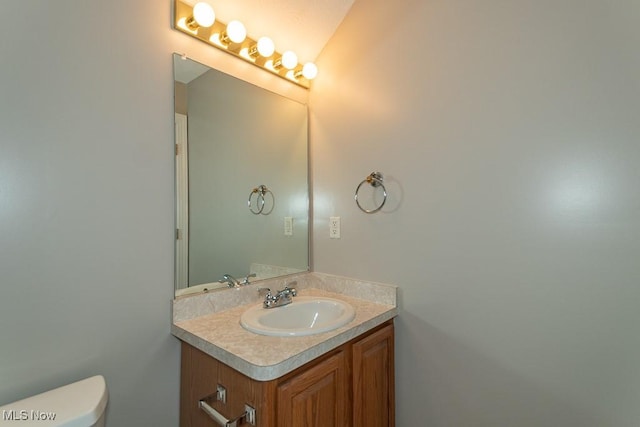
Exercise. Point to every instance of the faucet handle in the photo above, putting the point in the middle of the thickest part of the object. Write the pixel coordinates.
(246, 279)
(269, 299)
(291, 290)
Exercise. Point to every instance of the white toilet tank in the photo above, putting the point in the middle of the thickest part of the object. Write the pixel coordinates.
(81, 404)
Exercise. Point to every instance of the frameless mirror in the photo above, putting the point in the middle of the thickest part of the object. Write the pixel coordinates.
(241, 180)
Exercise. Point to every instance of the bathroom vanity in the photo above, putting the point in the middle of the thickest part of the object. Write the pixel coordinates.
(350, 385)
(342, 377)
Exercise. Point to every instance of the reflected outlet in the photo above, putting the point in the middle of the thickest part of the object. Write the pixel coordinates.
(334, 227)
(288, 226)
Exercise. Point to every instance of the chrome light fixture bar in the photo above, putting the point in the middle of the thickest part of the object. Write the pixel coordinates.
(200, 21)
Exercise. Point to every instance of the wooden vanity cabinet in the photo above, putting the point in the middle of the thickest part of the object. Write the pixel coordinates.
(352, 385)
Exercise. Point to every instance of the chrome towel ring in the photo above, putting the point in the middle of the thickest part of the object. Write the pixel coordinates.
(375, 180)
(259, 192)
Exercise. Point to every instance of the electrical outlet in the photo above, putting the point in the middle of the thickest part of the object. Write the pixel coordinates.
(288, 226)
(334, 227)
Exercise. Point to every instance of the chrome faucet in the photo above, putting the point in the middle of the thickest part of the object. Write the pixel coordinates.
(246, 279)
(281, 298)
(230, 280)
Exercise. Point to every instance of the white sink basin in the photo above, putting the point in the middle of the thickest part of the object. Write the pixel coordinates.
(304, 316)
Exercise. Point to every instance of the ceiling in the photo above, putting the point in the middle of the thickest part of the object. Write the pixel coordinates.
(303, 26)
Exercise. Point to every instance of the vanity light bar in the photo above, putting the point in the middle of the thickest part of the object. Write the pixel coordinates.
(199, 21)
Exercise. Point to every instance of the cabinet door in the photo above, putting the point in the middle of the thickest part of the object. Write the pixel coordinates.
(373, 380)
(317, 397)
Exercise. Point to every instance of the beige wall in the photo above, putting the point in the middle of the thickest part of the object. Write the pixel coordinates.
(508, 134)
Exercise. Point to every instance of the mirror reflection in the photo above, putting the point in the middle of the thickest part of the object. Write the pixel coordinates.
(241, 180)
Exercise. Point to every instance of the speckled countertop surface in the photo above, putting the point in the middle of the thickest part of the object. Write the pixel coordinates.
(219, 333)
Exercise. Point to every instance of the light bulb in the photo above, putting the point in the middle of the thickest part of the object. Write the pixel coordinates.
(203, 14)
(309, 71)
(266, 47)
(289, 60)
(236, 31)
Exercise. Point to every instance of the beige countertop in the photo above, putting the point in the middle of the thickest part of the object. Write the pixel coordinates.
(264, 358)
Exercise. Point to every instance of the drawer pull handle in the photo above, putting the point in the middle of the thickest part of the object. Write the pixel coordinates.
(249, 415)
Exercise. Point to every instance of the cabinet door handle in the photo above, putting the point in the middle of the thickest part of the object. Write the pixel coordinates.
(249, 415)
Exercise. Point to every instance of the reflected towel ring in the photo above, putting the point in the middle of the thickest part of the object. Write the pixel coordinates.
(260, 191)
(264, 192)
(375, 180)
